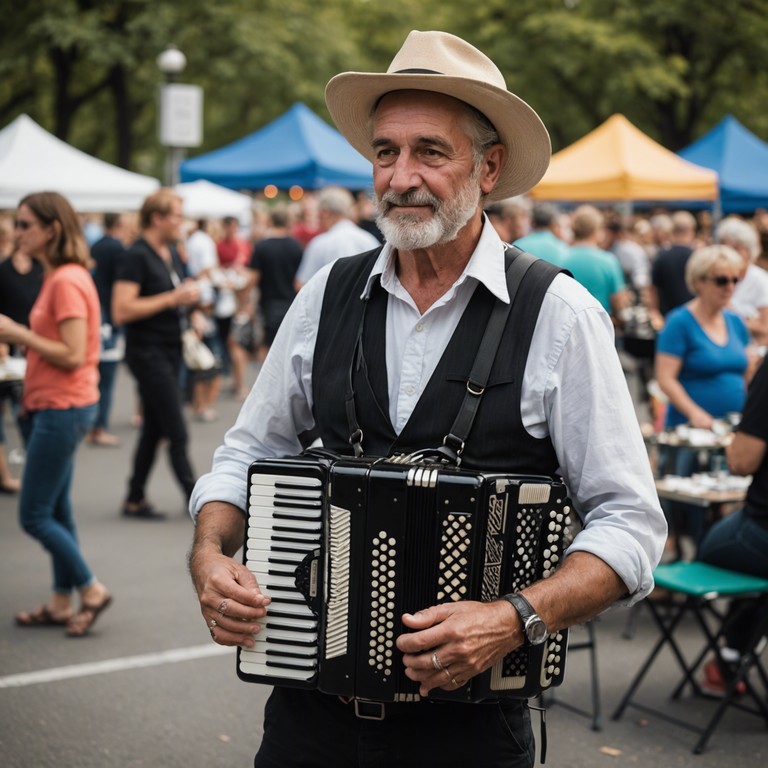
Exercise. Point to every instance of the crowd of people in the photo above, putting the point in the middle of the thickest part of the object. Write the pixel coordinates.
(78, 299)
(188, 305)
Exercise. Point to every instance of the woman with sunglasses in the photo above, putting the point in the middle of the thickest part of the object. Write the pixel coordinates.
(59, 403)
(701, 364)
(701, 353)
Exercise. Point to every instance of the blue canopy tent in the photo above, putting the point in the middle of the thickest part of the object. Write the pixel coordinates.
(741, 161)
(297, 148)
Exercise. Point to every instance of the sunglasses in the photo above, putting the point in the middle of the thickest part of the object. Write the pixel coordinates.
(721, 280)
(22, 224)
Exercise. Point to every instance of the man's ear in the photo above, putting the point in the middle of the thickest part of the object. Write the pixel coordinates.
(495, 157)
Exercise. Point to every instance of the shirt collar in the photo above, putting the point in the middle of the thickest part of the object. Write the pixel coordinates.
(486, 266)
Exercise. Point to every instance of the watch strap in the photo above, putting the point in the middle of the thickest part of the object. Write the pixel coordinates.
(521, 605)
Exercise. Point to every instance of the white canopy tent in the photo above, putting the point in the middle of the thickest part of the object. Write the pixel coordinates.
(204, 200)
(33, 160)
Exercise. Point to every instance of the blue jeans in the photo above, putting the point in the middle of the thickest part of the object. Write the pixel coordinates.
(45, 508)
(107, 376)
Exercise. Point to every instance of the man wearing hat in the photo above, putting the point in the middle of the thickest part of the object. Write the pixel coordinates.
(445, 138)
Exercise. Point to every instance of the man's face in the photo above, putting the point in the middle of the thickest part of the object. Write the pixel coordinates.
(424, 173)
(169, 224)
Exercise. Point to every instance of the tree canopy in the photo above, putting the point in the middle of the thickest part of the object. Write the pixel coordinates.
(86, 69)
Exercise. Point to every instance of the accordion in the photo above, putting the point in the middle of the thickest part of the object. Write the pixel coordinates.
(345, 546)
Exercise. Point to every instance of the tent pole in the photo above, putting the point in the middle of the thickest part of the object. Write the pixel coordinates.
(717, 209)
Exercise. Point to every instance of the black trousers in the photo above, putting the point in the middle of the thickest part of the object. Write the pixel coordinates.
(304, 729)
(156, 370)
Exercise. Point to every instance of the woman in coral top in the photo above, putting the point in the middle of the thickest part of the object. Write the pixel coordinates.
(59, 403)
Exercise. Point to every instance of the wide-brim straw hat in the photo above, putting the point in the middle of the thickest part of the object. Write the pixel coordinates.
(443, 63)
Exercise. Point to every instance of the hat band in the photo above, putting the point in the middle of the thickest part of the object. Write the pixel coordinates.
(416, 72)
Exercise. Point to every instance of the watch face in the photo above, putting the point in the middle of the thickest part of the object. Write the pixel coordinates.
(536, 630)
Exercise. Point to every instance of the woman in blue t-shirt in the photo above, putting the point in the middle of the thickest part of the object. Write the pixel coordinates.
(701, 353)
(701, 361)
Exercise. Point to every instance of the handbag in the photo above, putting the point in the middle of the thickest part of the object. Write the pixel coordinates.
(197, 354)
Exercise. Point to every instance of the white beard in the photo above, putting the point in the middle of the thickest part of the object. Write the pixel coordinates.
(409, 232)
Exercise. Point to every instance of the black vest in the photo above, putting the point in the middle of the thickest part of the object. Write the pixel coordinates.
(498, 441)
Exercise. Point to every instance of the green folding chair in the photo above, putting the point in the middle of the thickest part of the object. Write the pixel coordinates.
(700, 586)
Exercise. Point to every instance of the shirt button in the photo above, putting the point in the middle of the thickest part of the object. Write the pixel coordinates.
(409, 390)
(420, 327)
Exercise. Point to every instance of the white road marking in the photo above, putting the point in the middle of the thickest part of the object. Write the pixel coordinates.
(114, 665)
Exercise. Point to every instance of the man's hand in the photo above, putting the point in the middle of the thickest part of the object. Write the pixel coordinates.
(186, 293)
(230, 598)
(464, 638)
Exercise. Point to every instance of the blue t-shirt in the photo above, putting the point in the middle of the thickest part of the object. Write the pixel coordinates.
(712, 375)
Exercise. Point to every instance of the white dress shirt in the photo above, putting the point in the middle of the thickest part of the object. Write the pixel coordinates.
(344, 238)
(573, 390)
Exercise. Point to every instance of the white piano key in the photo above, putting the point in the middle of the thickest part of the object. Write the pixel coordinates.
(284, 538)
(278, 651)
(281, 593)
(275, 515)
(295, 480)
(265, 551)
(290, 623)
(268, 634)
(295, 611)
(268, 494)
(263, 670)
(269, 581)
(287, 527)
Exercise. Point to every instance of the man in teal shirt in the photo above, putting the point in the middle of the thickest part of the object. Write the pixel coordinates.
(597, 270)
(543, 242)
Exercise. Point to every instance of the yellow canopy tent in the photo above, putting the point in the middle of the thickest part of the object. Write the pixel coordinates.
(618, 162)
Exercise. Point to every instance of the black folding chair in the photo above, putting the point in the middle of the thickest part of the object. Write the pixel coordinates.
(590, 644)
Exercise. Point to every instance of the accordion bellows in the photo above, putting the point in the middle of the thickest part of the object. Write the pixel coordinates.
(345, 546)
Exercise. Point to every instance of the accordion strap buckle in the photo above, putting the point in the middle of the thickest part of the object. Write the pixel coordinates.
(454, 443)
(475, 389)
(369, 710)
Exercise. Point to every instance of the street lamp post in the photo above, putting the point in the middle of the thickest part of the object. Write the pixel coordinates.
(180, 112)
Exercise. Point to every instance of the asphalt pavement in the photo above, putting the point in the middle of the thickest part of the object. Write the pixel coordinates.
(148, 687)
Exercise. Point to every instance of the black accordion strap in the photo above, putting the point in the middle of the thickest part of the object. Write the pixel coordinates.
(453, 443)
(355, 433)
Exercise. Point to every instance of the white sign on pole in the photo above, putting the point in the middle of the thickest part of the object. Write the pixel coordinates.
(181, 115)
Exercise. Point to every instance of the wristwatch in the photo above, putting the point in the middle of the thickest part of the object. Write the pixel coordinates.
(534, 628)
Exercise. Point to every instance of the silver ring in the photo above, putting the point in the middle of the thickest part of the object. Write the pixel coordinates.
(213, 624)
(436, 663)
(447, 673)
(223, 608)
(455, 682)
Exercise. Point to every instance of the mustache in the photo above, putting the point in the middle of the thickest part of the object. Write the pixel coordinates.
(416, 197)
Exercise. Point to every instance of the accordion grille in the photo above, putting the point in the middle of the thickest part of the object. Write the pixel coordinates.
(534, 493)
(455, 546)
(336, 636)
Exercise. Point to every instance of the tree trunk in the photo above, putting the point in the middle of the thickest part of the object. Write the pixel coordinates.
(64, 108)
(119, 87)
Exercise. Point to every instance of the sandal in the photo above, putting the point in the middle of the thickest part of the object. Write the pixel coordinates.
(80, 624)
(42, 617)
